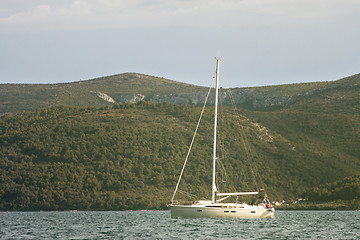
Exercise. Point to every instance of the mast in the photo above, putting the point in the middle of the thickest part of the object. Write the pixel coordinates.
(214, 190)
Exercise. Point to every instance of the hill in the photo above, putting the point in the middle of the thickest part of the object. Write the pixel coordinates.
(102, 154)
(133, 87)
(104, 91)
(128, 156)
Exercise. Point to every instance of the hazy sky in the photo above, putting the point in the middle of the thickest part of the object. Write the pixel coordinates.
(260, 42)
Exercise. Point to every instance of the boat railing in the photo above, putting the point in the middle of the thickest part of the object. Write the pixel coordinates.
(237, 194)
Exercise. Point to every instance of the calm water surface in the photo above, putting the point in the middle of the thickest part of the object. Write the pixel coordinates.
(159, 225)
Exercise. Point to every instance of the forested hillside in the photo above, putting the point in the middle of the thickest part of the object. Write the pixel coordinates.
(344, 189)
(129, 156)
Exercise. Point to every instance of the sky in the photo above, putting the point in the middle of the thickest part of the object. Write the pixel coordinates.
(259, 42)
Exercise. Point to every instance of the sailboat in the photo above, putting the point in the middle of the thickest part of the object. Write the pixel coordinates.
(216, 207)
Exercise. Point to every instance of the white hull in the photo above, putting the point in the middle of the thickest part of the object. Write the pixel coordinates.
(221, 210)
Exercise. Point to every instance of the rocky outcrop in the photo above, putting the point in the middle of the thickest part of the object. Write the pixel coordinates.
(104, 96)
(257, 98)
(129, 98)
(243, 97)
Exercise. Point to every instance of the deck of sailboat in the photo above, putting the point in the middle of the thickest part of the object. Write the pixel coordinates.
(232, 210)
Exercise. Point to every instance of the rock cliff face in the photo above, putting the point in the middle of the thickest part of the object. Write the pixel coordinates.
(132, 98)
(104, 96)
(256, 98)
(248, 98)
(253, 98)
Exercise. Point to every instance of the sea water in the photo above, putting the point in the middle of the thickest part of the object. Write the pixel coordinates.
(159, 225)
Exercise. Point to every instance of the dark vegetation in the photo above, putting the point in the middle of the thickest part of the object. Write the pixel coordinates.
(343, 194)
(344, 189)
(129, 156)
